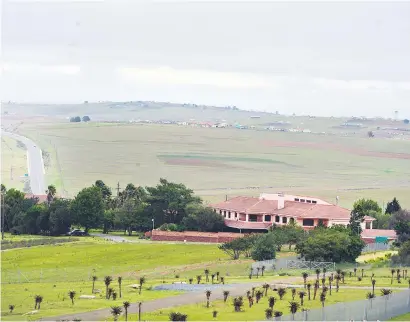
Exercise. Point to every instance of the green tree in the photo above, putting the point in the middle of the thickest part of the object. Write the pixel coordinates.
(400, 222)
(202, 218)
(393, 206)
(88, 208)
(60, 217)
(131, 214)
(105, 190)
(362, 208)
(51, 193)
(108, 221)
(265, 248)
(235, 247)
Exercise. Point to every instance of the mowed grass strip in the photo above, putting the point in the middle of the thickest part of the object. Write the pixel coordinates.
(56, 300)
(199, 311)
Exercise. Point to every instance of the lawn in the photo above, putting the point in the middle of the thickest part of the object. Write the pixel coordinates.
(199, 312)
(403, 317)
(215, 162)
(13, 163)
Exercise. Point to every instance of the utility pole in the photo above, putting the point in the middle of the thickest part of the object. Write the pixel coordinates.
(118, 189)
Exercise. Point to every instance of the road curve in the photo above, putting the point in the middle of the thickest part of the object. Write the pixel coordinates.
(35, 163)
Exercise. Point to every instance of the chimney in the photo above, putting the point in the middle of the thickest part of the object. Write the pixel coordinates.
(281, 201)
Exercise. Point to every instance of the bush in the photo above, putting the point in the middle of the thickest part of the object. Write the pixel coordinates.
(265, 248)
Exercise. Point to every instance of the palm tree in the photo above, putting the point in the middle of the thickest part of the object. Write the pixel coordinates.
(107, 282)
(257, 271)
(253, 291)
(324, 272)
(362, 272)
(114, 295)
(293, 307)
(316, 287)
(176, 316)
(223, 280)
(373, 284)
(305, 276)
(142, 281)
(212, 278)
(323, 282)
(110, 291)
(338, 277)
(238, 303)
(116, 312)
(214, 314)
(317, 271)
(271, 302)
(258, 295)
(126, 305)
(11, 308)
(71, 294)
(38, 299)
(350, 274)
(392, 274)
(250, 301)
(198, 279)
(293, 293)
(206, 271)
(386, 291)
(281, 292)
(302, 294)
(263, 269)
(208, 295)
(323, 298)
(268, 313)
(309, 286)
(277, 315)
(94, 278)
(355, 270)
(398, 277)
(343, 273)
(119, 285)
(266, 287)
(370, 296)
(226, 294)
(398, 272)
(139, 311)
(330, 285)
(217, 276)
(191, 280)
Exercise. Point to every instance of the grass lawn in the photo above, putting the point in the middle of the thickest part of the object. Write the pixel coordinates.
(13, 163)
(199, 312)
(403, 317)
(57, 302)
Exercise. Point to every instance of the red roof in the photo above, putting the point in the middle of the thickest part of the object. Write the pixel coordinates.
(247, 224)
(373, 233)
(41, 198)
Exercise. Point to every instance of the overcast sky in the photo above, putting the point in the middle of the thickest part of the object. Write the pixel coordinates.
(309, 58)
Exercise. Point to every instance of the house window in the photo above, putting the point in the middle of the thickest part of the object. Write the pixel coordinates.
(314, 201)
(296, 199)
(277, 219)
(229, 214)
(253, 218)
(220, 212)
(225, 213)
(236, 215)
(368, 223)
(268, 218)
(302, 200)
(309, 201)
(308, 222)
(284, 220)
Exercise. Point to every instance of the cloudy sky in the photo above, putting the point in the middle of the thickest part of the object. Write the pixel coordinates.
(324, 58)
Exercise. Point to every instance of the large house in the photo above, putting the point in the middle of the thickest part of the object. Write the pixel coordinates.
(251, 213)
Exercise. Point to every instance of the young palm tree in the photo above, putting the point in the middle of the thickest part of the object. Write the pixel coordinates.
(190, 280)
(386, 292)
(370, 296)
(253, 291)
(392, 274)
(176, 316)
(323, 298)
(330, 285)
(11, 308)
(238, 303)
(316, 287)
(126, 305)
(338, 278)
(305, 276)
(258, 295)
(213, 277)
(116, 312)
(309, 286)
(398, 277)
(206, 271)
(38, 299)
(355, 271)
(198, 279)
(208, 295)
(293, 307)
(281, 292)
(317, 271)
(293, 293)
(119, 285)
(257, 271)
(271, 302)
(142, 282)
(223, 280)
(226, 294)
(323, 282)
(71, 294)
(107, 282)
(110, 291)
(217, 276)
(362, 272)
(250, 301)
(302, 294)
(266, 288)
(94, 278)
(263, 269)
(373, 285)
(139, 311)
(350, 274)
(114, 295)
(214, 314)
(324, 272)
(277, 314)
(343, 274)
(268, 313)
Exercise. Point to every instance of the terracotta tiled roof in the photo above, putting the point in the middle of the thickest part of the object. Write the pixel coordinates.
(373, 233)
(41, 198)
(247, 224)
(248, 205)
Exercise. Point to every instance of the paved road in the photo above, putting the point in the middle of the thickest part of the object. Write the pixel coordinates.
(35, 163)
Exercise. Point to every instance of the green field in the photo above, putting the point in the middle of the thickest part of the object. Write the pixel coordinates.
(215, 162)
(13, 163)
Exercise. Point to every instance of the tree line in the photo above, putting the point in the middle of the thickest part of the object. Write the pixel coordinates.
(168, 205)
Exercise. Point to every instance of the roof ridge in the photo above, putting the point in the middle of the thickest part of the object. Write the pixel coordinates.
(259, 200)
